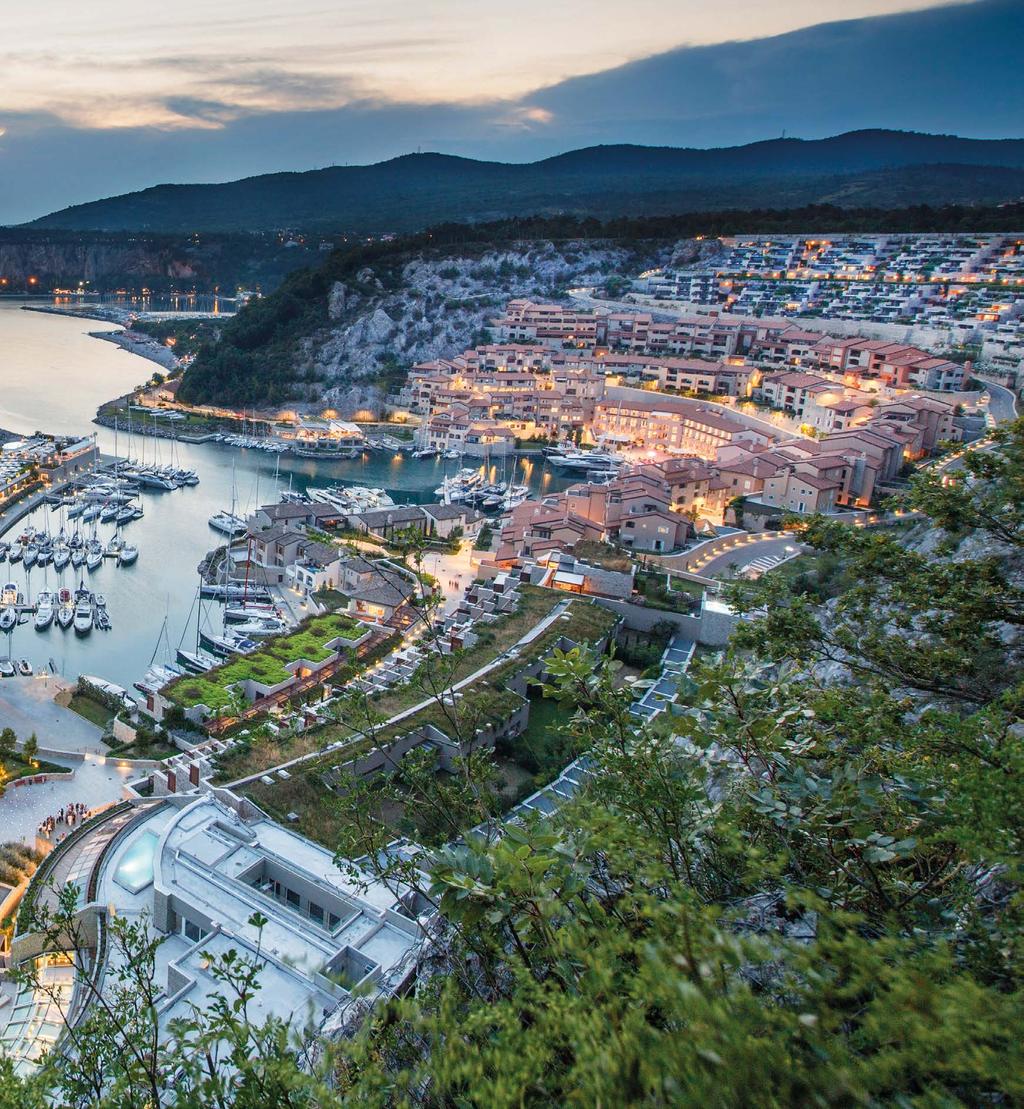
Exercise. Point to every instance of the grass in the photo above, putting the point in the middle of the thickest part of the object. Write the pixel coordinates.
(684, 585)
(14, 767)
(305, 793)
(96, 712)
(267, 665)
(586, 622)
(604, 555)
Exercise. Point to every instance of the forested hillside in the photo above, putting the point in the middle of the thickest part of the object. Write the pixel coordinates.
(880, 168)
(349, 328)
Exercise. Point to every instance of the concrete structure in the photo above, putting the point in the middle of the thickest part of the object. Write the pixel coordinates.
(197, 870)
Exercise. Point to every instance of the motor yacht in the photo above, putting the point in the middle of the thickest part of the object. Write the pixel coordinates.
(44, 610)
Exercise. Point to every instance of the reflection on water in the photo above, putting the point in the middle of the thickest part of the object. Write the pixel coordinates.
(54, 377)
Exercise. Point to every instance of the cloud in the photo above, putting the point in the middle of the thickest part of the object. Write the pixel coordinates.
(233, 116)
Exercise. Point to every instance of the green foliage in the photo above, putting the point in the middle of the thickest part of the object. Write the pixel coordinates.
(267, 664)
(801, 887)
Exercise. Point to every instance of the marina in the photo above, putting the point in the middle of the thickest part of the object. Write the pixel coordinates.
(55, 377)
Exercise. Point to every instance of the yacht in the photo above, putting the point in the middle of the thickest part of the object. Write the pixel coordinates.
(9, 594)
(113, 547)
(6, 668)
(92, 512)
(16, 552)
(31, 556)
(83, 614)
(127, 555)
(230, 523)
(247, 610)
(78, 557)
(125, 515)
(259, 626)
(94, 558)
(61, 557)
(102, 619)
(198, 661)
(8, 618)
(24, 668)
(109, 512)
(227, 643)
(65, 609)
(5, 549)
(44, 610)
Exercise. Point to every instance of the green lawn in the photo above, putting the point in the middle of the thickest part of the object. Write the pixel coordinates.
(585, 622)
(266, 665)
(96, 712)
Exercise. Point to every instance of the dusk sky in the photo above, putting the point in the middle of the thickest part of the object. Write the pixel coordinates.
(107, 96)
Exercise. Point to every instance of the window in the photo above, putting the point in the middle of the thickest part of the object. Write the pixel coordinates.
(193, 932)
(316, 912)
(292, 898)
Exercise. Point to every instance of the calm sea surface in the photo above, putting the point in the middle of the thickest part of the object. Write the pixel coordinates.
(53, 376)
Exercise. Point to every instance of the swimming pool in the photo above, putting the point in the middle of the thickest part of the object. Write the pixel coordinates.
(135, 870)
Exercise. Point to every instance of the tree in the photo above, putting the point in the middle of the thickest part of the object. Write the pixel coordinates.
(802, 885)
(8, 743)
(30, 750)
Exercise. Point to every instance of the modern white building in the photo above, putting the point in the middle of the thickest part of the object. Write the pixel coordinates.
(198, 869)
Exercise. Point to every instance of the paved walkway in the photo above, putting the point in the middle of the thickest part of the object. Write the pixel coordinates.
(24, 808)
(27, 705)
(454, 572)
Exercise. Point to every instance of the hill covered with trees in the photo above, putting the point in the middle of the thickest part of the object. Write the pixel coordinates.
(879, 168)
(369, 310)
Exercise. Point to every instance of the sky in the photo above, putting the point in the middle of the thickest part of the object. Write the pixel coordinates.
(108, 96)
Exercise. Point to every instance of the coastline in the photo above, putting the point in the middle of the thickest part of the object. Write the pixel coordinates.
(131, 341)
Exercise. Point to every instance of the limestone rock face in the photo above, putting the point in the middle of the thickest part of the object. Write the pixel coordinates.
(383, 323)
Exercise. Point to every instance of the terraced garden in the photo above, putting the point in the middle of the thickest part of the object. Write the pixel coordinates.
(266, 665)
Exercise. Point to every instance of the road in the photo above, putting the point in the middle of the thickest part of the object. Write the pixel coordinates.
(739, 558)
(1002, 404)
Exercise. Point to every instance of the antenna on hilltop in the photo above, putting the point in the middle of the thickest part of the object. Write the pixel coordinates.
(783, 132)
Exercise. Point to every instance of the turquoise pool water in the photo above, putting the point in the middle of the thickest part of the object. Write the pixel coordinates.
(135, 870)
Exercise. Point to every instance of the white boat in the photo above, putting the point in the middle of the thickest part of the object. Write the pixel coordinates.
(113, 547)
(24, 668)
(31, 556)
(227, 643)
(8, 618)
(9, 594)
(44, 610)
(7, 669)
(258, 627)
(198, 661)
(94, 558)
(83, 615)
(61, 557)
(128, 554)
(16, 553)
(229, 523)
(65, 609)
(236, 613)
(78, 557)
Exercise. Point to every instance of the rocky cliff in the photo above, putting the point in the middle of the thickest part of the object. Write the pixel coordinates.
(380, 324)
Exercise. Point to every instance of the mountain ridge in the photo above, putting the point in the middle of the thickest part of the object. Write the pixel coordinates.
(413, 190)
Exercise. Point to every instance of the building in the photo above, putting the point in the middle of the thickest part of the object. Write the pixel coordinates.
(193, 871)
